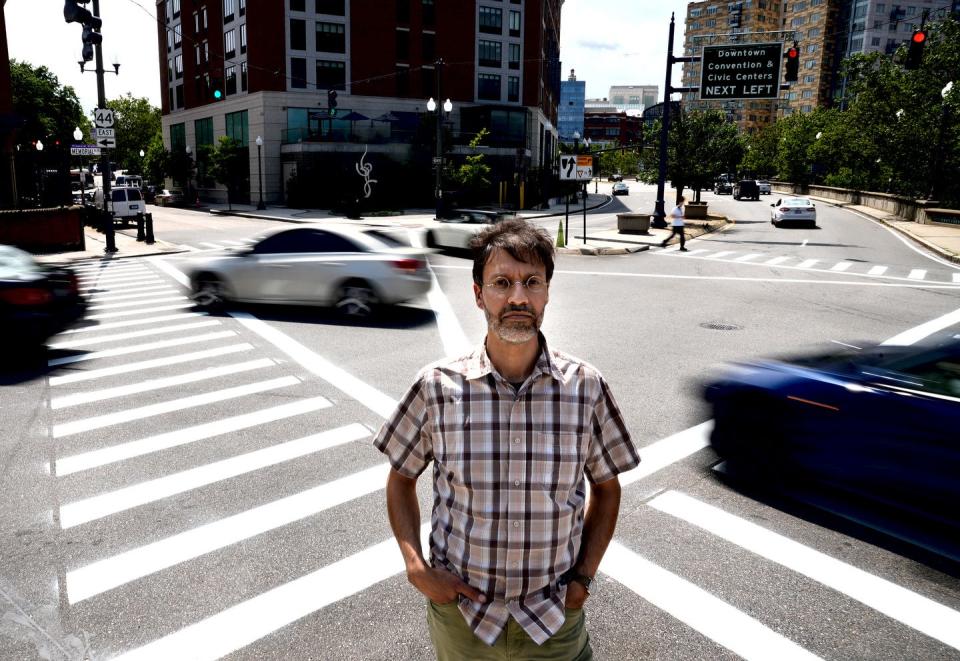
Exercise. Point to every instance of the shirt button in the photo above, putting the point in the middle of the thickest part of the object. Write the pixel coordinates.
(516, 524)
(516, 440)
(516, 483)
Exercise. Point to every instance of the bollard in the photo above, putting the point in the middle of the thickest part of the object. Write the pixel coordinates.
(140, 221)
(149, 223)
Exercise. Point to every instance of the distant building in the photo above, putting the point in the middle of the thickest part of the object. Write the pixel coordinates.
(632, 99)
(598, 105)
(570, 112)
(612, 129)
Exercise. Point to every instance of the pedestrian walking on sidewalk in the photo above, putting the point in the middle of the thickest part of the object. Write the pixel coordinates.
(676, 225)
(513, 429)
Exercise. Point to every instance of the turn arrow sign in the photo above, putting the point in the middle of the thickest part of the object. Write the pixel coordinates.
(107, 143)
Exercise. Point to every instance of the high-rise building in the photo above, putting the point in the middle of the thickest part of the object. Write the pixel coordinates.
(229, 67)
(573, 93)
(632, 99)
(813, 24)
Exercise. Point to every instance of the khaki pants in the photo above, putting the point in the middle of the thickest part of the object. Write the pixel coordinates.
(455, 641)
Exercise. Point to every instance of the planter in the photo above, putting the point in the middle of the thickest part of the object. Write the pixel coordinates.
(633, 223)
(695, 210)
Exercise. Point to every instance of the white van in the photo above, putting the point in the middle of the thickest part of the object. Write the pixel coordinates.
(124, 202)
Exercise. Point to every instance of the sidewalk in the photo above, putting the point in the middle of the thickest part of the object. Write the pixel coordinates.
(125, 240)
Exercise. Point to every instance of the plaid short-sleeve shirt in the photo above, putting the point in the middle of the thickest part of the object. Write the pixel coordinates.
(508, 476)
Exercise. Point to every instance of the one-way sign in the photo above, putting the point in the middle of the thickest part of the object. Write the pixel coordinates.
(107, 143)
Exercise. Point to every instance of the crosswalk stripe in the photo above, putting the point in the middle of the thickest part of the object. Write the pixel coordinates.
(134, 322)
(691, 253)
(97, 507)
(151, 410)
(257, 617)
(747, 257)
(144, 292)
(669, 450)
(877, 270)
(113, 268)
(133, 304)
(777, 260)
(841, 266)
(212, 245)
(89, 375)
(722, 253)
(120, 276)
(116, 273)
(128, 313)
(119, 282)
(956, 277)
(157, 384)
(235, 243)
(923, 614)
(697, 608)
(115, 337)
(918, 274)
(807, 263)
(136, 348)
(110, 455)
(109, 573)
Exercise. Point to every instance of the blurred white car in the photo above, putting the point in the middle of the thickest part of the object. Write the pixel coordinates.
(764, 186)
(352, 268)
(458, 231)
(793, 210)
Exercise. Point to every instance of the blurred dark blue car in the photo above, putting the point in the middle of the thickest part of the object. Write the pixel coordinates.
(879, 426)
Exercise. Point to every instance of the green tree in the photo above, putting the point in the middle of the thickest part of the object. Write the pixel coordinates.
(228, 164)
(156, 163)
(702, 145)
(48, 111)
(474, 174)
(760, 158)
(137, 123)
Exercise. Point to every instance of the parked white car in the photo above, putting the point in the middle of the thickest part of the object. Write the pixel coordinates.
(353, 268)
(457, 232)
(793, 210)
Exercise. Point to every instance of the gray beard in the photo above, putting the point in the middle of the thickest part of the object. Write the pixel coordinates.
(514, 332)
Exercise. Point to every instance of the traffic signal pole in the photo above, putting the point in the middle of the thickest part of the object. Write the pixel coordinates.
(111, 246)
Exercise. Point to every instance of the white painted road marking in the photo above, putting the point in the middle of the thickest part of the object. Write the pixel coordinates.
(116, 337)
(722, 253)
(454, 340)
(697, 608)
(841, 266)
(136, 348)
(877, 270)
(132, 304)
(807, 263)
(924, 615)
(134, 322)
(956, 277)
(748, 257)
(917, 274)
(777, 260)
(151, 410)
(97, 507)
(112, 572)
(918, 333)
(128, 313)
(668, 451)
(145, 292)
(151, 444)
(147, 364)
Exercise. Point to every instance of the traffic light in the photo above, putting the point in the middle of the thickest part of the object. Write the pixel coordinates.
(793, 64)
(216, 89)
(332, 102)
(915, 54)
(74, 13)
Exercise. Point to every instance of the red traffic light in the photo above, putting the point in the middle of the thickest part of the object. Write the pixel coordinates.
(793, 53)
(919, 37)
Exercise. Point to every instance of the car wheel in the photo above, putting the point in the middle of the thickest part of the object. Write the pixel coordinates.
(209, 292)
(357, 299)
(750, 433)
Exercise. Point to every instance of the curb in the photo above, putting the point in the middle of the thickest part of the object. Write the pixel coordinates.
(607, 200)
(603, 250)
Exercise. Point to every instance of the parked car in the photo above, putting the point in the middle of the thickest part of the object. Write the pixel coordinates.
(36, 300)
(793, 210)
(349, 267)
(723, 187)
(125, 203)
(169, 197)
(621, 188)
(746, 188)
(866, 430)
(764, 186)
(615, 177)
(456, 232)
(149, 194)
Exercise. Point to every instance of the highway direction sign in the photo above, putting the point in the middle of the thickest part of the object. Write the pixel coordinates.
(748, 71)
(104, 133)
(84, 150)
(103, 117)
(107, 143)
(576, 168)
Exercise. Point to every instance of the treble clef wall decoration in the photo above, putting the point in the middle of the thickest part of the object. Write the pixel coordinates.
(364, 170)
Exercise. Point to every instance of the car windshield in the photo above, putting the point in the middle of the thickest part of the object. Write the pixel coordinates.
(15, 262)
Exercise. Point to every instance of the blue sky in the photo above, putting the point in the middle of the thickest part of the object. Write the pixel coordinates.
(608, 42)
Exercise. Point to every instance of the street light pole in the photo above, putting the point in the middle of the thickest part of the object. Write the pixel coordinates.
(435, 106)
(111, 242)
(660, 213)
(261, 206)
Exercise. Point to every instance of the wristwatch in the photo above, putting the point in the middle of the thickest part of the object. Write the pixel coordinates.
(572, 575)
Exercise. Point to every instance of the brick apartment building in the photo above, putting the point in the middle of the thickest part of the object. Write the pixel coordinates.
(612, 129)
(275, 62)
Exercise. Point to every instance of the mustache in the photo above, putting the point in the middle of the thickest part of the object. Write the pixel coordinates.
(517, 308)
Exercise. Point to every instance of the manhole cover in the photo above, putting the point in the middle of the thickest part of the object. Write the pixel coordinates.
(714, 325)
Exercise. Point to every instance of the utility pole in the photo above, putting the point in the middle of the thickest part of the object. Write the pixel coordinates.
(111, 246)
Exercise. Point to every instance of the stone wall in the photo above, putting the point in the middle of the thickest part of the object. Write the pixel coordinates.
(901, 207)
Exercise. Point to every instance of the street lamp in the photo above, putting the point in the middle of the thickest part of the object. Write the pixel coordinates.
(39, 174)
(261, 206)
(189, 169)
(435, 107)
(78, 136)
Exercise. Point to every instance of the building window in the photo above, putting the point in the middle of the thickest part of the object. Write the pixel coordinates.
(488, 87)
(875, 41)
(177, 35)
(243, 7)
(514, 24)
(168, 12)
(513, 88)
(205, 51)
(514, 51)
(243, 38)
(807, 94)
(176, 10)
(491, 53)
(178, 137)
(178, 66)
(204, 131)
(243, 76)
(169, 41)
(403, 81)
(227, 11)
(298, 5)
(429, 14)
(229, 43)
(179, 95)
(331, 38)
(331, 75)
(491, 20)
(298, 34)
(403, 11)
(203, 18)
(331, 7)
(196, 50)
(403, 45)
(298, 73)
(230, 73)
(429, 47)
(238, 127)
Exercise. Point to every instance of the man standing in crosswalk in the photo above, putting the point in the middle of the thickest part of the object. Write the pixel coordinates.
(513, 429)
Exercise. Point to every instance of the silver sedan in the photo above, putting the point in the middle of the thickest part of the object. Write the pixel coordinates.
(349, 267)
(793, 210)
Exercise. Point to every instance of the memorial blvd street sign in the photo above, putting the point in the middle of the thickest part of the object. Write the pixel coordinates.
(84, 150)
(748, 71)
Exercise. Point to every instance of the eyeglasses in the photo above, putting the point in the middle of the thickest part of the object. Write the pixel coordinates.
(501, 285)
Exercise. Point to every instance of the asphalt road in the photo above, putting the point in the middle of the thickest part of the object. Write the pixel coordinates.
(204, 486)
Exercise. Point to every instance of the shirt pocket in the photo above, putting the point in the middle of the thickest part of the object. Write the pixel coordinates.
(558, 460)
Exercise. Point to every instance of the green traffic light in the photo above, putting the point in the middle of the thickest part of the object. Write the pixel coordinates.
(333, 112)
(217, 94)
